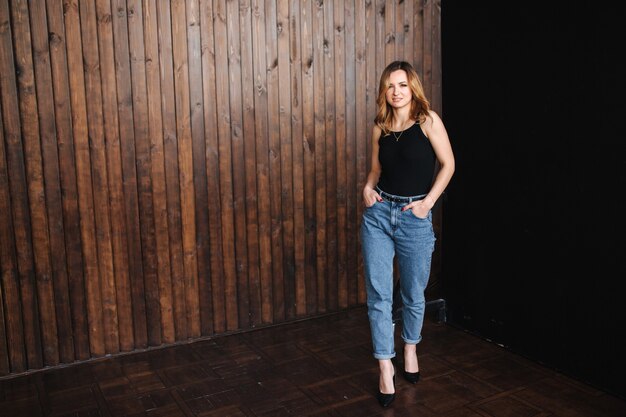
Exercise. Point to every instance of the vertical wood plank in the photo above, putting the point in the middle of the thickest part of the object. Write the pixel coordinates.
(13, 336)
(5, 326)
(296, 70)
(83, 176)
(389, 31)
(371, 94)
(194, 54)
(436, 72)
(353, 193)
(262, 159)
(99, 175)
(136, 42)
(212, 166)
(185, 166)
(129, 171)
(309, 66)
(320, 43)
(113, 158)
(427, 47)
(249, 151)
(4, 351)
(158, 176)
(40, 238)
(225, 163)
(237, 161)
(340, 154)
(399, 11)
(372, 58)
(168, 114)
(418, 36)
(286, 151)
(50, 159)
(330, 51)
(273, 110)
(408, 30)
(67, 170)
(381, 41)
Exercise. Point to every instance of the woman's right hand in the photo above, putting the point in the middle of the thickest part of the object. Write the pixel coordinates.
(370, 196)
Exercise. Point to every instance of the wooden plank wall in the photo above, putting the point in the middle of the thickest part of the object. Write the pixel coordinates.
(176, 170)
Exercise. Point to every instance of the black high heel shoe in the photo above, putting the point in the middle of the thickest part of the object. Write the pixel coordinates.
(386, 399)
(412, 377)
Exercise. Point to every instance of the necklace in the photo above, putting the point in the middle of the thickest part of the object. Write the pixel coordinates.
(401, 132)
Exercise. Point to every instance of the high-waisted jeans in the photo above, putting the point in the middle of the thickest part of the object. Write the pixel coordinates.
(387, 231)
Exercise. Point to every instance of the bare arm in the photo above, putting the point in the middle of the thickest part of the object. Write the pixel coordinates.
(370, 196)
(438, 136)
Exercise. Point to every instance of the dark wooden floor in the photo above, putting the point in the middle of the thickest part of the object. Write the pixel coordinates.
(317, 367)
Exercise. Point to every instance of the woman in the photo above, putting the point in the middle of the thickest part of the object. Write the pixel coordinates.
(408, 140)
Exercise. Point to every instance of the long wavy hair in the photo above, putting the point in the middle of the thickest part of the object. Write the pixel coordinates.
(419, 103)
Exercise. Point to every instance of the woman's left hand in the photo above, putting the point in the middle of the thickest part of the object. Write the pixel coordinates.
(420, 208)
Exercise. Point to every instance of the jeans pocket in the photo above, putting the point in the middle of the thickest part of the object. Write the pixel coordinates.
(417, 217)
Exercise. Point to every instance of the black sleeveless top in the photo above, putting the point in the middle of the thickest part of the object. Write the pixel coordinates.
(407, 164)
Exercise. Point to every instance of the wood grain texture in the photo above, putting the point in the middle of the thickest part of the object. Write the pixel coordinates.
(137, 56)
(319, 146)
(274, 198)
(29, 119)
(296, 72)
(308, 158)
(157, 172)
(226, 190)
(235, 92)
(170, 149)
(57, 44)
(99, 176)
(284, 148)
(262, 170)
(52, 185)
(80, 135)
(215, 280)
(251, 210)
(12, 327)
(129, 165)
(329, 186)
(462, 375)
(14, 154)
(185, 167)
(177, 170)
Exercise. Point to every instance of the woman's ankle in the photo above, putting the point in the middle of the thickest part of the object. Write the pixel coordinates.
(410, 359)
(387, 374)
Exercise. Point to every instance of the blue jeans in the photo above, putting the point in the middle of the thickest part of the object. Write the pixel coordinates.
(387, 231)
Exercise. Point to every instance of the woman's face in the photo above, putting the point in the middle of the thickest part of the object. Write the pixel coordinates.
(398, 91)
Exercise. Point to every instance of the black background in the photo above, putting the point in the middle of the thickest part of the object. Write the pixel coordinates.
(534, 234)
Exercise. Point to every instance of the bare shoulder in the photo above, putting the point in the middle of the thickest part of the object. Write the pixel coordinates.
(433, 119)
(433, 124)
(376, 132)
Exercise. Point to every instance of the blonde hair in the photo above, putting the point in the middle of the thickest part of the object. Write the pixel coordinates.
(419, 103)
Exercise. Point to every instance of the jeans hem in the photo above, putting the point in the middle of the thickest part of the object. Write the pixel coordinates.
(383, 357)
